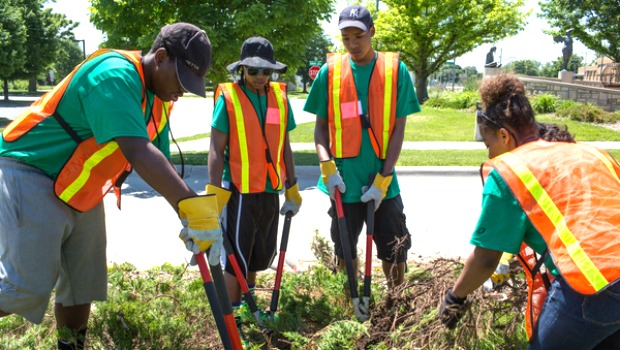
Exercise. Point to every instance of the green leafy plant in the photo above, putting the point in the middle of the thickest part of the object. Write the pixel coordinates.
(544, 103)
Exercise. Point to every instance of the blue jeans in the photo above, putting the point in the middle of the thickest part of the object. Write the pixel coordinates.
(573, 321)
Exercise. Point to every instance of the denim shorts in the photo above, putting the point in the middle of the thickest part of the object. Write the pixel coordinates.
(574, 321)
(46, 245)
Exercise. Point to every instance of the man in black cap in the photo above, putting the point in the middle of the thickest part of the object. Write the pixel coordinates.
(362, 100)
(250, 159)
(66, 151)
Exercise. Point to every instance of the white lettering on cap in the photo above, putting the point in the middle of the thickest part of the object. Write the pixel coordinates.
(353, 13)
(192, 64)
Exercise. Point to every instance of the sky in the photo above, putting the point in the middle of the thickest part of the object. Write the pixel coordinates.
(531, 43)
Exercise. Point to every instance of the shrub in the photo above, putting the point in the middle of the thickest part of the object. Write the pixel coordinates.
(585, 113)
(435, 102)
(472, 83)
(544, 103)
(462, 100)
(19, 85)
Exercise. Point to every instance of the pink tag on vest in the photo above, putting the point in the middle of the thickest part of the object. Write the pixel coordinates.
(273, 116)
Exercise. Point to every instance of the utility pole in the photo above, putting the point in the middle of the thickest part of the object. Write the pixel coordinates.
(83, 46)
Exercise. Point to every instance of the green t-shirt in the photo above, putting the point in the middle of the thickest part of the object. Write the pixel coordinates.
(219, 121)
(356, 171)
(104, 100)
(503, 225)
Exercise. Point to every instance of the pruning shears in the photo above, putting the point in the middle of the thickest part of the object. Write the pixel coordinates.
(275, 295)
(361, 312)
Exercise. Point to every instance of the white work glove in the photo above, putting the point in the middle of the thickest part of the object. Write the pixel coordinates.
(201, 228)
(331, 178)
(292, 201)
(377, 191)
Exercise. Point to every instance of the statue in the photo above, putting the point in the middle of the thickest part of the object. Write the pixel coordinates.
(567, 49)
(490, 62)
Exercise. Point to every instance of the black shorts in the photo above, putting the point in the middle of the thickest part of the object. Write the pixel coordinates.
(252, 229)
(390, 235)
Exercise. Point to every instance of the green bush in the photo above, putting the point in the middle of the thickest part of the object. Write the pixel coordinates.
(435, 102)
(585, 113)
(462, 100)
(472, 83)
(544, 103)
(21, 85)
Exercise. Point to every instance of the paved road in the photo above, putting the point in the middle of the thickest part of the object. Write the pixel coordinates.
(441, 206)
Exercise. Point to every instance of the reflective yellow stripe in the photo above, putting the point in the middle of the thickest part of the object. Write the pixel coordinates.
(574, 249)
(89, 164)
(278, 92)
(241, 135)
(603, 159)
(165, 111)
(336, 104)
(387, 101)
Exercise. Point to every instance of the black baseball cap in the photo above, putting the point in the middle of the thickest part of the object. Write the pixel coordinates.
(355, 16)
(191, 48)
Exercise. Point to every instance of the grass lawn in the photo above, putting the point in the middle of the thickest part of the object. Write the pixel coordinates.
(429, 125)
(451, 125)
(407, 157)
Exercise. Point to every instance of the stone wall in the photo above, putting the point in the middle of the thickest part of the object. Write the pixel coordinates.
(607, 99)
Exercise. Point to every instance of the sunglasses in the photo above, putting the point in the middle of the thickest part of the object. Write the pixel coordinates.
(480, 114)
(254, 71)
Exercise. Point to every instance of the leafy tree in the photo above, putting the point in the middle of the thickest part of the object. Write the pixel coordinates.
(551, 69)
(524, 67)
(289, 25)
(68, 56)
(596, 23)
(44, 30)
(316, 50)
(429, 33)
(12, 40)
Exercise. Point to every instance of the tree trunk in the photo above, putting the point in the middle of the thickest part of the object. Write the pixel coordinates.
(32, 85)
(421, 87)
(5, 87)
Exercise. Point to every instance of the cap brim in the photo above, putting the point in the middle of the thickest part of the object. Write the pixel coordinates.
(190, 81)
(257, 62)
(352, 24)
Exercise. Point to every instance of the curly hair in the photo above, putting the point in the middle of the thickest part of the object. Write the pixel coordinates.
(555, 133)
(504, 100)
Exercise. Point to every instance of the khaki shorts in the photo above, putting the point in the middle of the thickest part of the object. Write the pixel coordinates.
(44, 244)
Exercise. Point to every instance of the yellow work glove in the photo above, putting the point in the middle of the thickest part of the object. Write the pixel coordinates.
(222, 195)
(201, 227)
(378, 190)
(331, 178)
(501, 274)
(292, 201)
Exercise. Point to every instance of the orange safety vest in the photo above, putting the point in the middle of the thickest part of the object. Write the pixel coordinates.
(255, 151)
(538, 282)
(93, 169)
(344, 109)
(570, 194)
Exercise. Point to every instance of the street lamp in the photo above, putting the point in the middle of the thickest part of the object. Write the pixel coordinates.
(83, 46)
